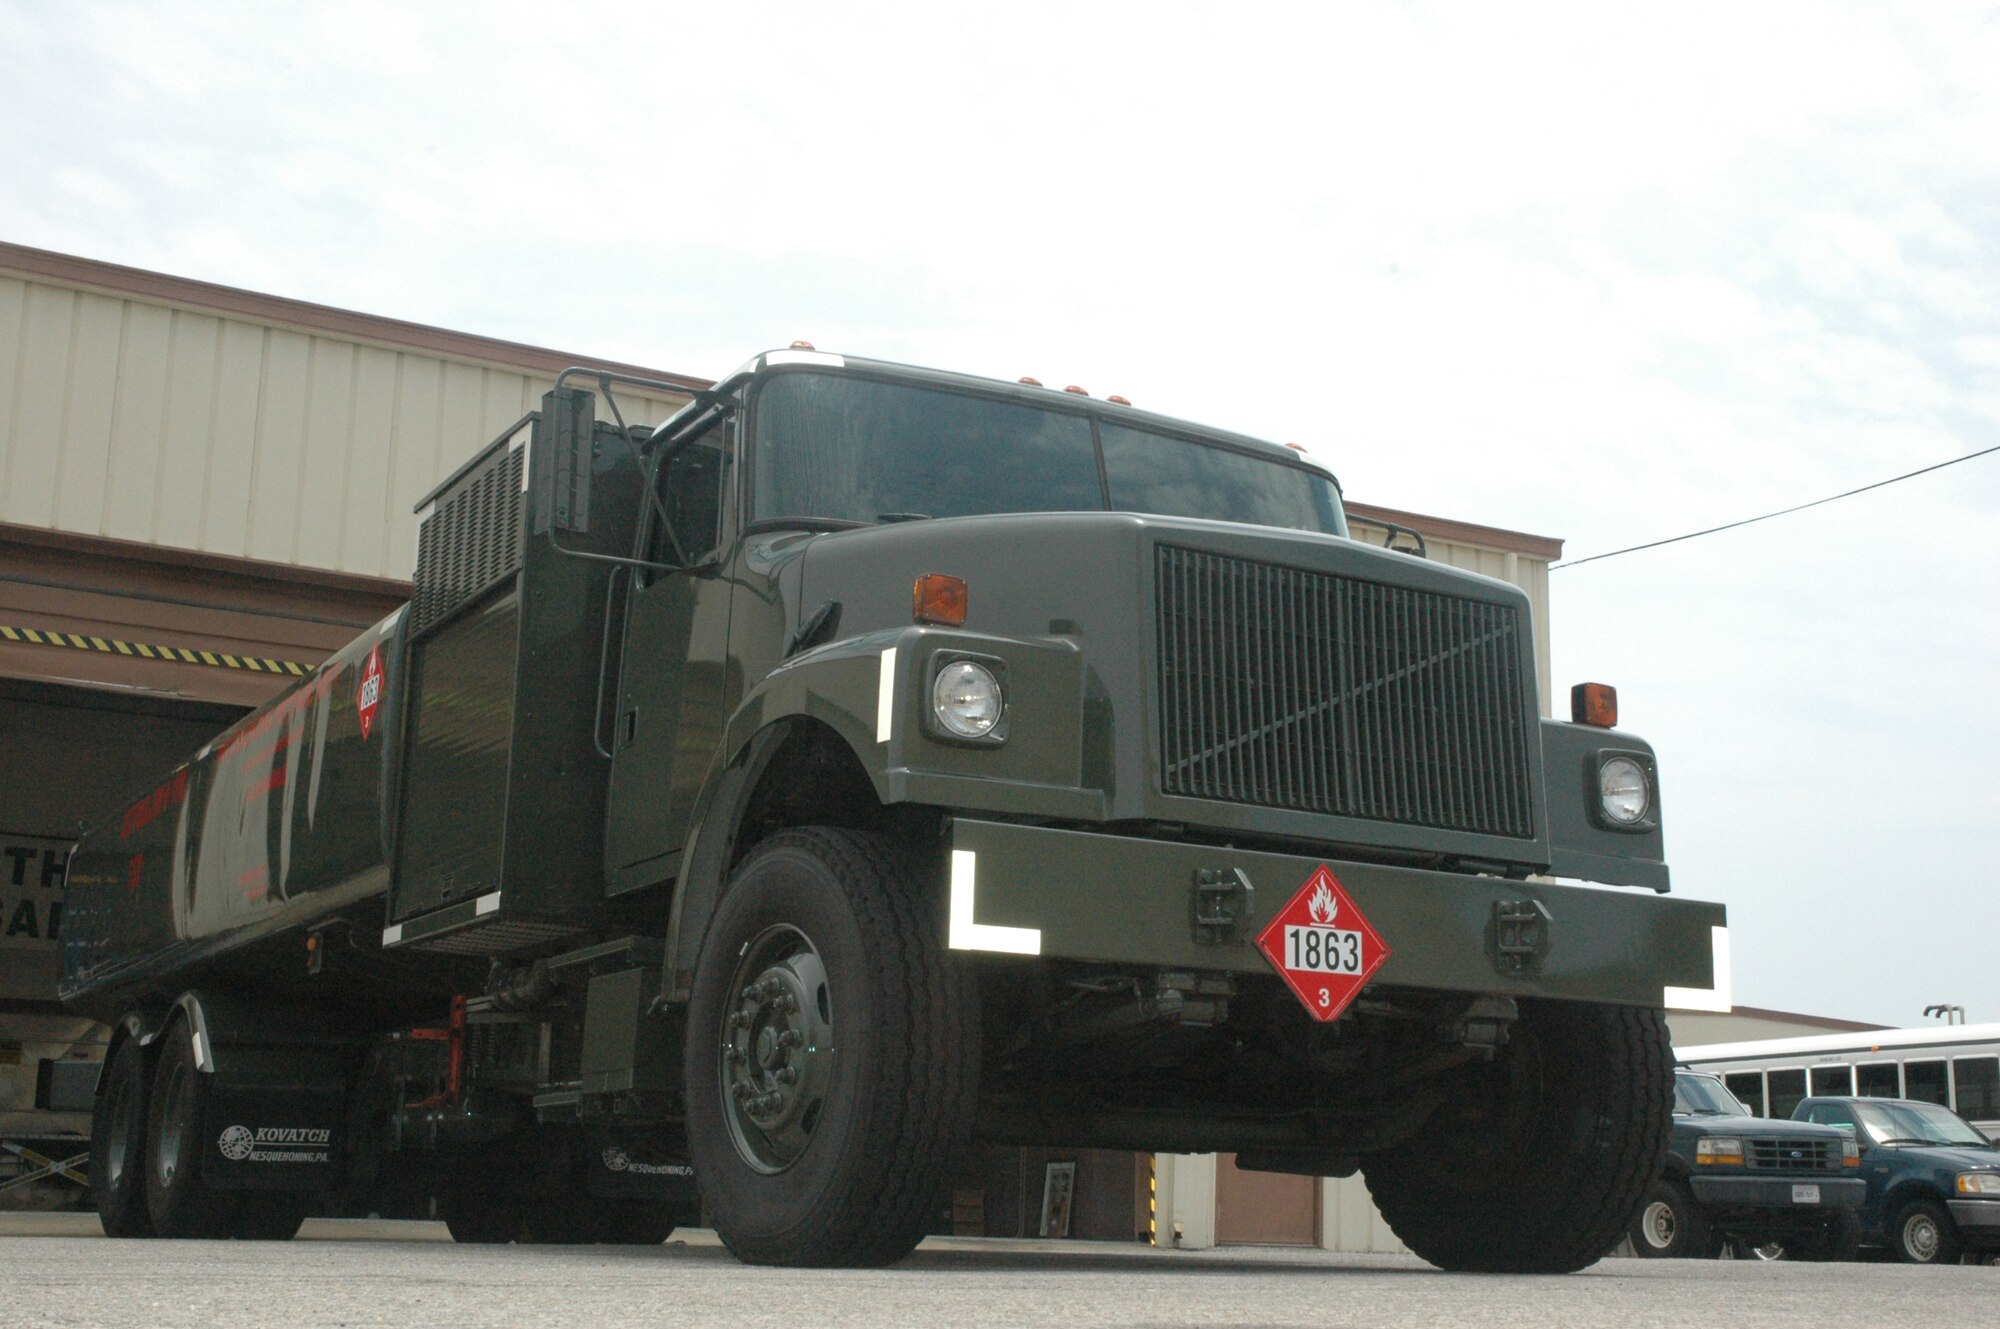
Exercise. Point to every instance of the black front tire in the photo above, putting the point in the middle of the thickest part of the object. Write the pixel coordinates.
(1539, 1159)
(118, 1143)
(832, 1055)
(1670, 1225)
(1923, 1233)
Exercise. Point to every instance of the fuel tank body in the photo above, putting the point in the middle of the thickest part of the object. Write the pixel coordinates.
(261, 864)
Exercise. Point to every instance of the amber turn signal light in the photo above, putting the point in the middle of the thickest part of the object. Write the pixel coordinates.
(1594, 704)
(939, 598)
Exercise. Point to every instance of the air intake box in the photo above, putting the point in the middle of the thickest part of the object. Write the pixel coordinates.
(499, 826)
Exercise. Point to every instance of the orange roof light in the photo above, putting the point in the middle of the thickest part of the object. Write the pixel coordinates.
(1031, 382)
(1077, 390)
(939, 598)
(1122, 401)
(803, 346)
(1594, 704)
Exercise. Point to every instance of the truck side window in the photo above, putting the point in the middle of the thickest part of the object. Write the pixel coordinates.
(1833, 1080)
(691, 488)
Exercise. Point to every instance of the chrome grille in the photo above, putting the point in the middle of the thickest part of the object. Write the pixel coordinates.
(1788, 1155)
(1296, 689)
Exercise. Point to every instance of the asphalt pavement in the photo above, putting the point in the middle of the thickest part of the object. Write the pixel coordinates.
(56, 1273)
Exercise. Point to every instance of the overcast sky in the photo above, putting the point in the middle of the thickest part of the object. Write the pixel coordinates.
(1606, 273)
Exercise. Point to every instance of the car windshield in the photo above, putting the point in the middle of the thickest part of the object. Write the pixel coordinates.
(1702, 1096)
(1919, 1123)
(843, 449)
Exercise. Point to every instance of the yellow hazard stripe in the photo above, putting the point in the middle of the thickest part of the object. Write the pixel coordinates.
(179, 654)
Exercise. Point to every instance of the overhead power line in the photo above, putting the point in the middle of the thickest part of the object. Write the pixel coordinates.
(1748, 521)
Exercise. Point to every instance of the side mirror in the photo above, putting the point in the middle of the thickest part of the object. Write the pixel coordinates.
(560, 466)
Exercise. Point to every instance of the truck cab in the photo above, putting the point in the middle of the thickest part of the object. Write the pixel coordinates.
(868, 760)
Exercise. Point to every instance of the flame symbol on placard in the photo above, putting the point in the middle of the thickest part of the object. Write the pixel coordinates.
(1322, 905)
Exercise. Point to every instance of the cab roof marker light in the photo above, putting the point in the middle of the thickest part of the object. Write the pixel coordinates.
(823, 359)
(1031, 382)
(1081, 392)
(1122, 401)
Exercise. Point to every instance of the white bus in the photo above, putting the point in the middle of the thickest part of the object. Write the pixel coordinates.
(1956, 1065)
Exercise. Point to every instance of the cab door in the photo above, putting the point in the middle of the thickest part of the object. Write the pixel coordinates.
(673, 666)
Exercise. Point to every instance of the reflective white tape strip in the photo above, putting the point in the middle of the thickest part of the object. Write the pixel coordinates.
(486, 904)
(392, 934)
(201, 1059)
(1717, 998)
(885, 698)
(967, 935)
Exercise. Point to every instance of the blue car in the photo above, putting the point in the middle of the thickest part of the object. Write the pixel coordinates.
(1933, 1179)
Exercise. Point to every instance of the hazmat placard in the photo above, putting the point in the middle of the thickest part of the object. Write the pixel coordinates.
(1322, 946)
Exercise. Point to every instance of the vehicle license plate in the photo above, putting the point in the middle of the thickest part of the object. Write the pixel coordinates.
(1805, 1195)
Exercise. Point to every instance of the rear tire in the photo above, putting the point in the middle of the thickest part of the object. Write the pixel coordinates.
(180, 1205)
(118, 1144)
(1670, 1225)
(1540, 1158)
(1923, 1233)
(179, 1202)
(832, 1055)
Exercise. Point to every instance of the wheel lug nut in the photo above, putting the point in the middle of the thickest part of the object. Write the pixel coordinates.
(787, 1075)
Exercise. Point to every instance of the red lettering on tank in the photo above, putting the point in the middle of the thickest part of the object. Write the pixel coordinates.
(135, 870)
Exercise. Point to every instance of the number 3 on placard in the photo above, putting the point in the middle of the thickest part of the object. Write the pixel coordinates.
(1325, 998)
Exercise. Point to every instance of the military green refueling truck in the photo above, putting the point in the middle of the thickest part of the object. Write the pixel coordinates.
(866, 761)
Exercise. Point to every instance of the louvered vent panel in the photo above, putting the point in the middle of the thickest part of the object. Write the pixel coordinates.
(471, 540)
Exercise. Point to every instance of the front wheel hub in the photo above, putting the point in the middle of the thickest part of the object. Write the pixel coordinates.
(777, 1049)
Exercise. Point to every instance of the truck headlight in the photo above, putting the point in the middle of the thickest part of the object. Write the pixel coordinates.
(1719, 1151)
(966, 699)
(1623, 791)
(1979, 1183)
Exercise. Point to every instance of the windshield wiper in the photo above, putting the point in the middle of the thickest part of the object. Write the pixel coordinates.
(1911, 1139)
(902, 516)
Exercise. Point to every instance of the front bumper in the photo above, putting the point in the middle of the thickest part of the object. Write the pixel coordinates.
(1978, 1222)
(1077, 895)
(1776, 1192)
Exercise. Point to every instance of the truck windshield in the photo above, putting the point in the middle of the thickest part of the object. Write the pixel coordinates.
(846, 449)
(1700, 1096)
(1916, 1123)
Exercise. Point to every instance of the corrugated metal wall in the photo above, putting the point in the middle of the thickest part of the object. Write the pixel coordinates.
(139, 420)
(1526, 571)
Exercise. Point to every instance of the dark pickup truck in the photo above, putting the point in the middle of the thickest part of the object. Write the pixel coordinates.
(1747, 1182)
(1933, 1180)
